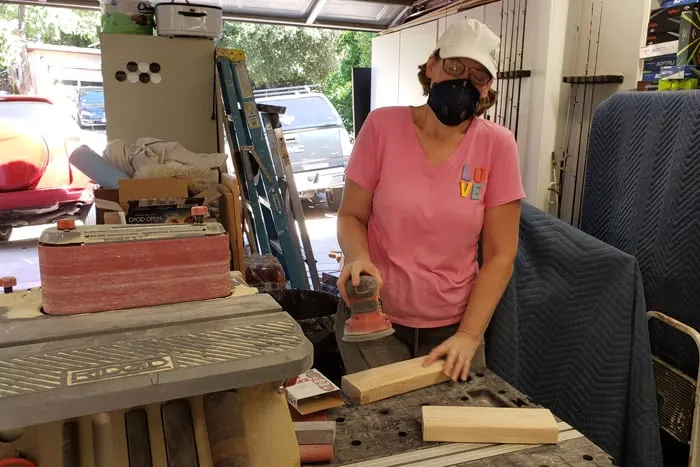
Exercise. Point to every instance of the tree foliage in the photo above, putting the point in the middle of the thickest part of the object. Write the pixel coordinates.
(281, 56)
(354, 50)
(20, 24)
(278, 56)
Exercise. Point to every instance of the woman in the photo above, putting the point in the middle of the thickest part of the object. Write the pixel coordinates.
(424, 186)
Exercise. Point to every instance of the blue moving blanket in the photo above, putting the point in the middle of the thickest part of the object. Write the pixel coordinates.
(642, 195)
(571, 332)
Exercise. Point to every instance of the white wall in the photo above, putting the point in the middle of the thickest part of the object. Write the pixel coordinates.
(602, 45)
(415, 46)
(556, 37)
(385, 71)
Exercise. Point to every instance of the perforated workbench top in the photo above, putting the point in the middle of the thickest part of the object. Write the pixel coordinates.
(388, 433)
(56, 367)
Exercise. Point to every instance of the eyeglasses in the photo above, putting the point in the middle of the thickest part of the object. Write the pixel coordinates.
(454, 67)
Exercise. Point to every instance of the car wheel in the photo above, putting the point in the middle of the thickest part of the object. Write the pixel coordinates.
(5, 232)
(333, 198)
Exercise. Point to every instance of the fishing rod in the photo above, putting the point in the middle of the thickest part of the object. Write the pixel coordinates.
(590, 110)
(502, 69)
(498, 69)
(571, 111)
(515, 65)
(511, 66)
(520, 79)
(583, 113)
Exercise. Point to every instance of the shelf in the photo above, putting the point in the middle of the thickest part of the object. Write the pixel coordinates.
(598, 79)
(515, 74)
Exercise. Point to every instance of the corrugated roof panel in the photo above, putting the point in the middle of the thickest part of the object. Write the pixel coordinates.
(359, 12)
(271, 8)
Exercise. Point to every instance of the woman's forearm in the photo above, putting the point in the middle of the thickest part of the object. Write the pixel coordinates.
(352, 237)
(485, 295)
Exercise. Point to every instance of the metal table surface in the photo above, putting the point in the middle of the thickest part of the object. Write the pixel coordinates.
(59, 367)
(388, 433)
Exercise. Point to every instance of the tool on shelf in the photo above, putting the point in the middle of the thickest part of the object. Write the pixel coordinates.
(367, 321)
(275, 230)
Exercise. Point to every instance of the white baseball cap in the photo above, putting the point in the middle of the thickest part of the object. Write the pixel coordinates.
(471, 39)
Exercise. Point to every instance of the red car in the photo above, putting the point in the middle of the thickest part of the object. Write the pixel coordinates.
(37, 183)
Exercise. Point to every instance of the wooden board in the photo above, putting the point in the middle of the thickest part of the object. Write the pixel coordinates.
(234, 184)
(489, 425)
(268, 425)
(387, 381)
(315, 432)
(232, 224)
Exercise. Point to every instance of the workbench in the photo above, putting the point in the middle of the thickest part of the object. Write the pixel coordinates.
(388, 433)
(59, 368)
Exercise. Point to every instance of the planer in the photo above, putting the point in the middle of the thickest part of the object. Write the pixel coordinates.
(87, 269)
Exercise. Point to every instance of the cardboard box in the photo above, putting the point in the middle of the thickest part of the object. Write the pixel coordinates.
(689, 39)
(661, 37)
(313, 392)
(105, 194)
(655, 63)
(643, 86)
(668, 19)
(672, 3)
(132, 189)
(679, 72)
(162, 210)
(137, 189)
(656, 50)
(651, 76)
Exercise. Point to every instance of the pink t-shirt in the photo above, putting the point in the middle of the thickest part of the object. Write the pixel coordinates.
(426, 219)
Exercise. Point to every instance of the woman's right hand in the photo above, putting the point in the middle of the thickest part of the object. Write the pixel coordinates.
(352, 271)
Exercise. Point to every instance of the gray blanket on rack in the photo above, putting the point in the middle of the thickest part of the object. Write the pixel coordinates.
(642, 195)
(571, 333)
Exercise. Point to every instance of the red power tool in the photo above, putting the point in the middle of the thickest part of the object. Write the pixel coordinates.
(367, 321)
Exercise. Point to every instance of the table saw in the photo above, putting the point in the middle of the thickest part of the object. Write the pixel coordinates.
(150, 363)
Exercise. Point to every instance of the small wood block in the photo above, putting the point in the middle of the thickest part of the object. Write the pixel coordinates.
(156, 435)
(312, 453)
(315, 432)
(225, 429)
(70, 444)
(137, 438)
(489, 425)
(268, 427)
(178, 428)
(200, 432)
(102, 440)
(312, 417)
(391, 380)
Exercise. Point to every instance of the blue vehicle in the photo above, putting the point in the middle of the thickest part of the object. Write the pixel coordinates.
(90, 105)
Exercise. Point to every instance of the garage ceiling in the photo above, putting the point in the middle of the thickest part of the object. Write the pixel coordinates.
(368, 15)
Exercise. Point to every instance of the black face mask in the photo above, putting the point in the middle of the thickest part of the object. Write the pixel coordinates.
(454, 101)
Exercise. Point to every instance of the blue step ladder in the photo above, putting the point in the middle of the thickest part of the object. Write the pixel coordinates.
(274, 202)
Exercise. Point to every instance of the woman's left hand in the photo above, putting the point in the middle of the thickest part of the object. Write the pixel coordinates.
(458, 351)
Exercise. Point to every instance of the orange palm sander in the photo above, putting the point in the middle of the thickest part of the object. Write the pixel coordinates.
(367, 321)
